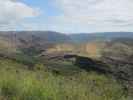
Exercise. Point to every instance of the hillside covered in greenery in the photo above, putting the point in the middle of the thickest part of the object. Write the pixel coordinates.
(34, 67)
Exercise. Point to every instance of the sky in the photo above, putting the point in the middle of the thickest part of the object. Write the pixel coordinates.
(67, 16)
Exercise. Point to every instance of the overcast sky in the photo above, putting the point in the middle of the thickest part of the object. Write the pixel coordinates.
(69, 16)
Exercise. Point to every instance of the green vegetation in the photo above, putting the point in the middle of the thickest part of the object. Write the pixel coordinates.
(19, 83)
(26, 60)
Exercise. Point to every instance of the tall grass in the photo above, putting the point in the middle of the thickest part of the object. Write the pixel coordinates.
(42, 85)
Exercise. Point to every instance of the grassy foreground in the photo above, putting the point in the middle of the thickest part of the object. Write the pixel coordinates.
(19, 83)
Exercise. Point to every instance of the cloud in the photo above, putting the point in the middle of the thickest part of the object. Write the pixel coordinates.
(73, 16)
(94, 15)
(14, 11)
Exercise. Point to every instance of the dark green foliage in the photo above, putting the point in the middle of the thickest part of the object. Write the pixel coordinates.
(31, 51)
(30, 61)
(9, 89)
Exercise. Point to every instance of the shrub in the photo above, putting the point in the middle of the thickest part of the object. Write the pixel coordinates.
(26, 60)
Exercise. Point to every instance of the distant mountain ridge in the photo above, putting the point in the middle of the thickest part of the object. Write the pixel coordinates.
(57, 37)
(49, 36)
(84, 37)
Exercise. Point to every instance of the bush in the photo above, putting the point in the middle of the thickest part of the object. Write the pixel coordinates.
(26, 60)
